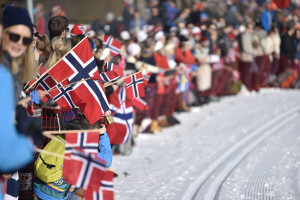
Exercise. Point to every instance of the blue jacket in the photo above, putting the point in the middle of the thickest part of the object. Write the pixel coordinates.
(105, 152)
(16, 150)
(266, 20)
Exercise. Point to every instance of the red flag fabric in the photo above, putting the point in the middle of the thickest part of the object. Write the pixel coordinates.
(65, 97)
(147, 77)
(83, 170)
(112, 44)
(79, 66)
(281, 3)
(120, 131)
(109, 76)
(105, 191)
(45, 84)
(87, 141)
(29, 108)
(135, 86)
(235, 75)
(140, 104)
(218, 65)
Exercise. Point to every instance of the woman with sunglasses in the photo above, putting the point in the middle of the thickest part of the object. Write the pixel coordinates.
(16, 56)
(16, 48)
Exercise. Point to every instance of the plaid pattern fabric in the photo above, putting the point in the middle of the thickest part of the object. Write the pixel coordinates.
(51, 119)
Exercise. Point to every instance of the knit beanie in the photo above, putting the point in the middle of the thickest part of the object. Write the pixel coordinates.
(14, 16)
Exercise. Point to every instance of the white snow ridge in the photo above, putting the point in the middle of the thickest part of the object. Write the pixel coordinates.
(242, 147)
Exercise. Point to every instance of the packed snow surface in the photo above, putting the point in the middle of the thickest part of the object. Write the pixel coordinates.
(241, 147)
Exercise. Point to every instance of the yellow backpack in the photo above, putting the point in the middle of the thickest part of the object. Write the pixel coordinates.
(48, 167)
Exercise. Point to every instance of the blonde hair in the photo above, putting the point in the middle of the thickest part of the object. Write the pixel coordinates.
(59, 47)
(43, 45)
(26, 61)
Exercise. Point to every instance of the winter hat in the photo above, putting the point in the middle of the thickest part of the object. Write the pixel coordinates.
(141, 36)
(105, 53)
(173, 29)
(14, 16)
(134, 49)
(158, 46)
(158, 35)
(184, 32)
(78, 29)
(125, 35)
(196, 30)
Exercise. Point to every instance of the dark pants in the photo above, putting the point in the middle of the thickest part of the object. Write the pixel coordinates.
(150, 91)
(169, 100)
(249, 76)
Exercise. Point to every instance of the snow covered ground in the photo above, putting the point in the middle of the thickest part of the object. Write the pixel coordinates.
(241, 147)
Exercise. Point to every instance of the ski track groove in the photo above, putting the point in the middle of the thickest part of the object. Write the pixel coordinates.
(223, 158)
(167, 188)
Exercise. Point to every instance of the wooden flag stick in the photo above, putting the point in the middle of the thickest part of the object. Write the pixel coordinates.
(56, 63)
(56, 88)
(52, 154)
(121, 79)
(69, 131)
(29, 81)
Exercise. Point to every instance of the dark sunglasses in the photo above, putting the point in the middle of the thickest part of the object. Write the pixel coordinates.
(16, 37)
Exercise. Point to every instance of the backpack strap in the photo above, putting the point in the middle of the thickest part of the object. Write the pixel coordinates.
(49, 166)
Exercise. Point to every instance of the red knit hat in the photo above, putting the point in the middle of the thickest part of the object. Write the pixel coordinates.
(78, 29)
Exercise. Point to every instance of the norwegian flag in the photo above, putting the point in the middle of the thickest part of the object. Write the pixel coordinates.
(120, 131)
(77, 65)
(29, 108)
(41, 70)
(45, 84)
(281, 3)
(109, 66)
(147, 77)
(235, 75)
(109, 76)
(218, 65)
(231, 55)
(105, 191)
(135, 85)
(87, 141)
(113, 44)
(83, 169)
(140, 104)
(65, 97)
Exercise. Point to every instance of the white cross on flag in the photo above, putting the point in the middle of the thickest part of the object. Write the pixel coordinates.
(119, 132)
(105, 191)
(87, 141)
(77, 65)
(112, 44)
(64, 96)
(135, 85)
(83, 169)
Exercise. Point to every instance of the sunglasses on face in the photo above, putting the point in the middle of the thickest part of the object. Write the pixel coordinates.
(16, 37)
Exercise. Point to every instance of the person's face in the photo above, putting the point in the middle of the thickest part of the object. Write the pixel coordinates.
(250, 28)
(16, 40)
(212, 29)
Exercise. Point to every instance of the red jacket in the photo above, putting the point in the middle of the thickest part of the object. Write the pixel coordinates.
(161, 61)
(184, 57)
